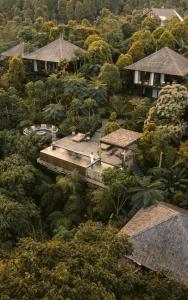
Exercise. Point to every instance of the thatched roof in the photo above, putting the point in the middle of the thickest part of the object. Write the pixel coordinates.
(165, 13)
(160, 238)
(55, 51)
(17, 50)
(164, 61)
(121, 138)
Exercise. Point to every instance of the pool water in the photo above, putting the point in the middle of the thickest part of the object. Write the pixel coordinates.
(42, 131)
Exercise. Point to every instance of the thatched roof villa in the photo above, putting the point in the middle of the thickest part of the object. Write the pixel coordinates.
(159, 235)
(158, 69)
(53, 53)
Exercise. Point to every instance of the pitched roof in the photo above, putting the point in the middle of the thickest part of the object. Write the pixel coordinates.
(16, 50)
(166, 13)
(164, 61)
(121, 138)
(160, 238)
(55, 51)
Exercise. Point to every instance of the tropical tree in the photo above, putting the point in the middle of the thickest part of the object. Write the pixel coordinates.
(145, 193)
(16, 72)
(174, 179)
(90, 105)
(53, 112)
(98, 91)
(136, 51)
(17, 220)
(183, 154)
(100, 52)
(110, 75)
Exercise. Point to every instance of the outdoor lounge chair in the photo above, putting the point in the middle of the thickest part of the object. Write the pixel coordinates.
(105, 147)
(79, 137)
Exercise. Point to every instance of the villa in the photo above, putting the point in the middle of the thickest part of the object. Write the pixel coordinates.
(48, 57)
(152, 73)
(163, 14)
(73, 153)
(159, 235)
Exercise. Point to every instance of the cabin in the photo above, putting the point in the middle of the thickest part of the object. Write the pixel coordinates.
(48, 57)
(163, 14)
(73, 152)
(159, 235)
(18, 50)
(152, 73)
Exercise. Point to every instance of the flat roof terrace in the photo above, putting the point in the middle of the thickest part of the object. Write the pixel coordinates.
(85, 148)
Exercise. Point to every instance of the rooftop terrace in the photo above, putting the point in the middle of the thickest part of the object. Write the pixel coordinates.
(67, 155)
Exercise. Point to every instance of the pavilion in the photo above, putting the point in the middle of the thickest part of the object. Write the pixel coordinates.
(50, 55)
(161, 68)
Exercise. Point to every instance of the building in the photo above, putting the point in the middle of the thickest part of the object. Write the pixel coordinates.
(16, 50)
(48, 57)
(161, 68)
(163, 14)
(159, 235)
(74, 153)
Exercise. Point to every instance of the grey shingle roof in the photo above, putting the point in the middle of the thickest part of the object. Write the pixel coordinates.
(55, 51)
(166, 12)
(16, 50)
(164, 61)
(160, 238)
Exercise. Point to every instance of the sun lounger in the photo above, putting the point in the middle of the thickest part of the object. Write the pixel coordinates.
(79, 137)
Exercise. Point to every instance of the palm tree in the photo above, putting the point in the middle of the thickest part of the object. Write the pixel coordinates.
(174, 179)
(146, 193)
(98, 91)
(53, 112)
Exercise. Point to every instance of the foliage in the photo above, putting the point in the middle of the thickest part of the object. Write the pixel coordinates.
(169, 110)
(123, 61)
(99, 52)
(111, 126)
(136, 51)
(110, 75)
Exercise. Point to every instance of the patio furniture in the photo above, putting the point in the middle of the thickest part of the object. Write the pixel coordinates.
(79, 137)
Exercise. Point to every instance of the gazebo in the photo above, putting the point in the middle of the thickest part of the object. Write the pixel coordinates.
(161, 68)
(53, 53)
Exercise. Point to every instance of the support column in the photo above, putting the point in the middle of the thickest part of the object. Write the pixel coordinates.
(151, 80)
(137, 77)
(162, 79)
(35, 66)
(46, 66)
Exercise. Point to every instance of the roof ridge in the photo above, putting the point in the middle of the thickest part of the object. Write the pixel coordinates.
(175, 63)
(156, 224)
(146, 57)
